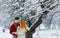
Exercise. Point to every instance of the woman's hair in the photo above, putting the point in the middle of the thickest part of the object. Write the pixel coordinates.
(23, 24)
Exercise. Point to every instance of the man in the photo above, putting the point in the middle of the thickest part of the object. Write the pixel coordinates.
(13, 28)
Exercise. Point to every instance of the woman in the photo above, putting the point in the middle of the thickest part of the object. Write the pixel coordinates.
(22, 29)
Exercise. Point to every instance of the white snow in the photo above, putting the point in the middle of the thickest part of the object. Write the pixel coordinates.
(52, 33)
(8, 12)
(5, 34)
(42, 26)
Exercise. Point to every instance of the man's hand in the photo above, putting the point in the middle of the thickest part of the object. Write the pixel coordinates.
(15, 33)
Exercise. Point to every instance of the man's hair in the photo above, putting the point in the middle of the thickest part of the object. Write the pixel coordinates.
(16, 18)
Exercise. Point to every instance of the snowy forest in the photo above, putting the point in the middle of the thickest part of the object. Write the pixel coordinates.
(42, 16)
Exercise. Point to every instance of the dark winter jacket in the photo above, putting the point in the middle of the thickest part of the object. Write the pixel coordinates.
(13, 28)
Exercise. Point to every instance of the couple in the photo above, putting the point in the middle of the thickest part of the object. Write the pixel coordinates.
(18, 29)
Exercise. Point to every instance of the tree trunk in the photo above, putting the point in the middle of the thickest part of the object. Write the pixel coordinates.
(29, 34)
(32, 29)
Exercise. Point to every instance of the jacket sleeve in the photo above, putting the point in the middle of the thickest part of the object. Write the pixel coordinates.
(12, 30)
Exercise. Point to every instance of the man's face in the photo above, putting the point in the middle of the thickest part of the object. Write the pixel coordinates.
(16, 21)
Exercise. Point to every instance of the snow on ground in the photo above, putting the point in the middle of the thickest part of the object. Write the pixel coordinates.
(52, 33)
(5, 34)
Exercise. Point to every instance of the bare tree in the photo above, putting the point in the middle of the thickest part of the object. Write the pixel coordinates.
(34, 26)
